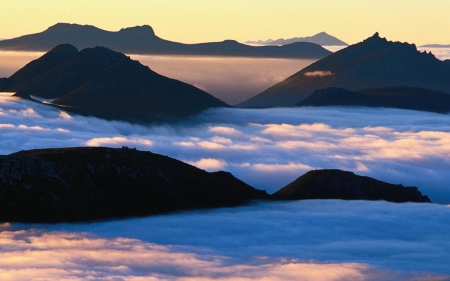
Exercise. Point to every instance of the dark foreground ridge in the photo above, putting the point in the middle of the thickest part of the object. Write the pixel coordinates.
(337, 184)
(81, 184)
(94, 183)
(373, 63)
(142, 40)
(394, 97)
(103, 83)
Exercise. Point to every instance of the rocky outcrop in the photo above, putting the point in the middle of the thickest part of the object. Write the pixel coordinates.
(337, 184)
(80, 184)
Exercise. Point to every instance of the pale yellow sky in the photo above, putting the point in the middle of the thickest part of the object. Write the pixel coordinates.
(189, 21)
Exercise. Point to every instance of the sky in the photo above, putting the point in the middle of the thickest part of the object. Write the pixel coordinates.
(191, 21)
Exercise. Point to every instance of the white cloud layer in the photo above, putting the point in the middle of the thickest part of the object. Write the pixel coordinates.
(267, 148)
(303, 240)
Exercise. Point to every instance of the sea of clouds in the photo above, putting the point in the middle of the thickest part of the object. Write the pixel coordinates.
(300, 240)
(304, 240)
(267, 148)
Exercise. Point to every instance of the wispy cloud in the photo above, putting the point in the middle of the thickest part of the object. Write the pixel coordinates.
(318, 73)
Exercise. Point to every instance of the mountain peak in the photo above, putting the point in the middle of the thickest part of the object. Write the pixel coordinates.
(140, 29)
(375, 38)
(64, 49)
(64, 27)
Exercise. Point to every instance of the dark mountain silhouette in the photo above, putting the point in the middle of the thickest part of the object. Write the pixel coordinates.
(321, 38)
(92, 183)
(107, 84)
(373, 63)
(79, 184)
(337, 184)
(435, 46)
(142, 40)
(395, 97)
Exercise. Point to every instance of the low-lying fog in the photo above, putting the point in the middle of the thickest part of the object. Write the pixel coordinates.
(267, 148)
(232, 80)
(302, 240)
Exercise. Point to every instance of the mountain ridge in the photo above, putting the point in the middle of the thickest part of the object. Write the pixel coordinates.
(103, 83)
(93, 183)
(372, 63)
(143, 40)
(321, 38)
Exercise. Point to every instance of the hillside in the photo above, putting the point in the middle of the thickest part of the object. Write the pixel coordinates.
(85, 183)
(103, 83)
(337, 184)
(373, 63)
(394, 97)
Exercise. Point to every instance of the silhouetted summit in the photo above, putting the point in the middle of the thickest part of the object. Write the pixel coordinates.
(142, 40)
(394, 97)
(107, 84)
(337, 184)
(373, 63)
(321, 38)
(86, 183)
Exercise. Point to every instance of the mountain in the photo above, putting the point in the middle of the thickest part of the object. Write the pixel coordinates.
(94, 183)
(337, 184)
(79, 184)
(143, 40)
(373, 63)
(394, 97)
(435, 46)
(321, 38)
(106, 84)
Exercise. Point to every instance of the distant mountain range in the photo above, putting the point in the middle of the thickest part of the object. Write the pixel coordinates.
(394, 97)
(106, 84)
(435, 46)
(373, 63)
(92, 183)
(142, 40)
(321, 38)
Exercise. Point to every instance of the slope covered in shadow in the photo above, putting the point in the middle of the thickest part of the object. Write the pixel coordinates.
(373, 63)
(395, 97)
(92, 183)
(337, 184)
(103, 83)
(79, 184)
